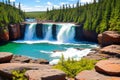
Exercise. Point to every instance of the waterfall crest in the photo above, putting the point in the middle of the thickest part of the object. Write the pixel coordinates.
(65, 33)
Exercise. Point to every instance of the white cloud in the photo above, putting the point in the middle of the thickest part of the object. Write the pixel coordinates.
(12, 0)
(37, 1)
(63, 3)
(84, 1)
(49, 4)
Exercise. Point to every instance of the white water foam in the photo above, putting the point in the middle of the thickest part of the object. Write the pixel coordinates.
(69, 53)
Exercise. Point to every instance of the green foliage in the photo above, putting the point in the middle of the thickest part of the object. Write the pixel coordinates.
(10, 14)
(97, 16)
(18, 75)
(72, 67)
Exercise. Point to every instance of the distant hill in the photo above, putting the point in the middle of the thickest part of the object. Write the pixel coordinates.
(36, 14)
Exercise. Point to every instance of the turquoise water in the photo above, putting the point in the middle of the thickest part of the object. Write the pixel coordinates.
(41, 50)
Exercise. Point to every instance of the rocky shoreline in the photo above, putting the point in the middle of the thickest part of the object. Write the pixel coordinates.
(107, 67)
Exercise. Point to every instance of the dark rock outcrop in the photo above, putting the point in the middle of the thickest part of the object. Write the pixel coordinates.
(90, 36)
(108, 38)
(109, 67)
(79, 33)
(54, 33)
(39, 61)
(5, 57)
(22, 30)
(39, 30)
(14, 31)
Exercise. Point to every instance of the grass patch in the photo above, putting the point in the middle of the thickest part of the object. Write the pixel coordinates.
(19, 75)
(72, 67)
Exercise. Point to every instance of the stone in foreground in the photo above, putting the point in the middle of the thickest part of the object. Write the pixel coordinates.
(108, 38)
(112, 49)
(93, 75)
(109, 67)
(33, 71)
(5, 57)
(46, 74)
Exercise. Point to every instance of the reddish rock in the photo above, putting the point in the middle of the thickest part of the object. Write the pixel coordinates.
(4, 34)
(112, 49)
(108, 38)
(39, 61)
(6, 69)
(5, 57)
(14, 31)
(45, 74)
(110, 67)
(20, 59)
(93, 75)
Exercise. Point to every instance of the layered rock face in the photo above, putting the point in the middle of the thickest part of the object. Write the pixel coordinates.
(14, 31)
(108, 38)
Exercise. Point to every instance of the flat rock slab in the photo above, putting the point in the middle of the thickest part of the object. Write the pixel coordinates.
(109, 67)
(93, 75)
(33, 71)
(112, 49)
(7, 68)
(5, 57)
(47, 74)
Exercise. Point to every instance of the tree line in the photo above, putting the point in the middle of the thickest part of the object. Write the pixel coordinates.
(99, 16)
(9, 14)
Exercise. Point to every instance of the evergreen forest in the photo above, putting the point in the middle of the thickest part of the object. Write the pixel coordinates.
(98, 16)
(9, 14)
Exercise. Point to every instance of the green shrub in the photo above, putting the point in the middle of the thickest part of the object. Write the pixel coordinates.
(72, 67)
(19, 75)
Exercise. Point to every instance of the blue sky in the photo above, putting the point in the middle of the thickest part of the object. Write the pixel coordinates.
(41, 5)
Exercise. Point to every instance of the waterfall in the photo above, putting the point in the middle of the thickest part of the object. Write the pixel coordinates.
(66, 33)
(30, 32)
(47, 31)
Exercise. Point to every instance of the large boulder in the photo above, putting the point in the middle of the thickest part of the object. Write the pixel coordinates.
(108, 38)
(93, 75)
(45, 74)
(109, 67)
(112, 50)
(5, 57)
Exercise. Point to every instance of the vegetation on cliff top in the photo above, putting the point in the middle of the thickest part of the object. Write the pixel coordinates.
(97, 16)
(9, 14)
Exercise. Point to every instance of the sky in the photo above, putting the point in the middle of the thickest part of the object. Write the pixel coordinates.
(42, 5)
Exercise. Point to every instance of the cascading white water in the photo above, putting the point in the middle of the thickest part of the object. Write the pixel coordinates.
(66, 33)
(30, 32)
(47, 31)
